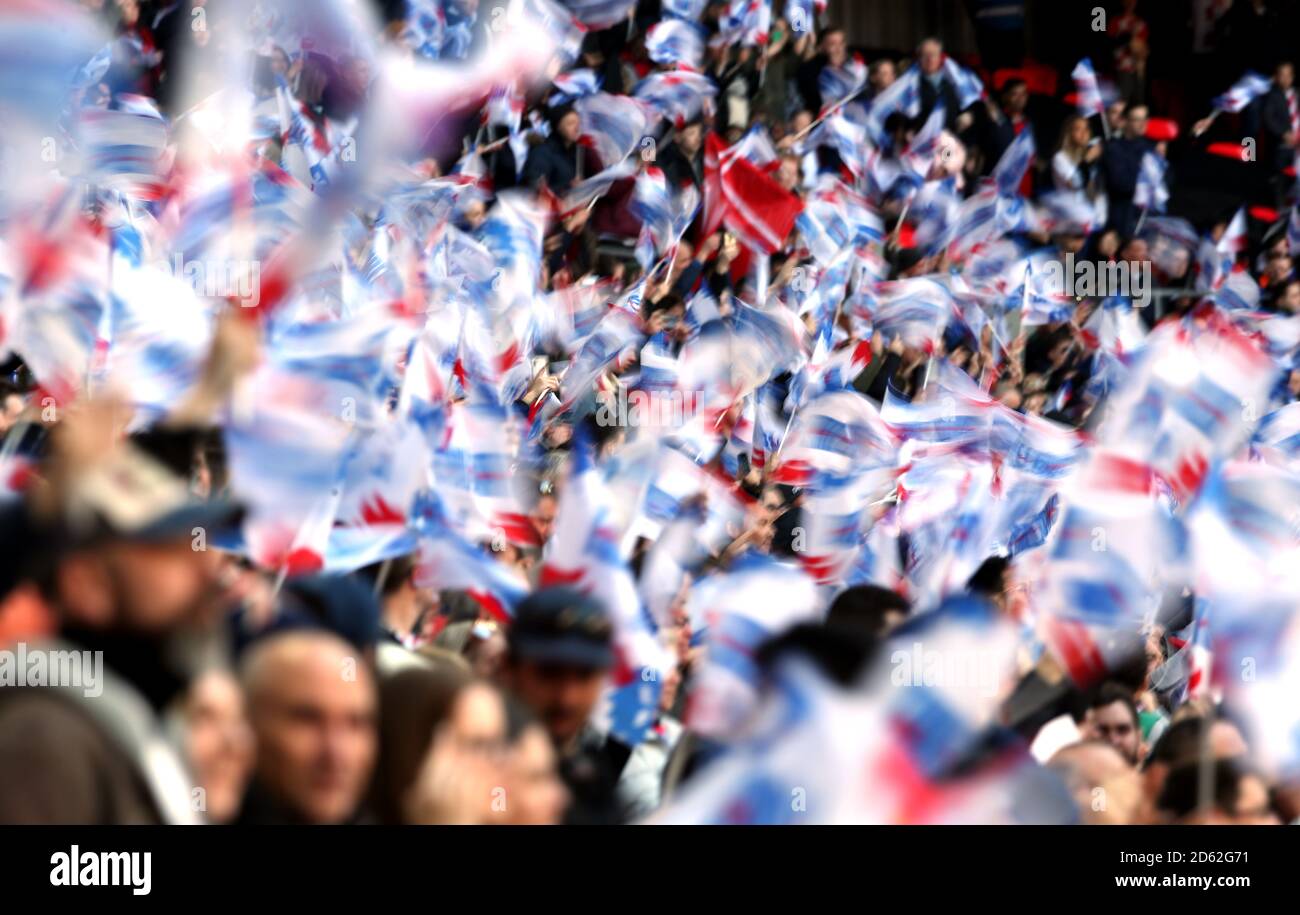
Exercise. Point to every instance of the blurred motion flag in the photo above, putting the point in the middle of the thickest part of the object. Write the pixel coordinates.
(1089, 99)
(1244, 91)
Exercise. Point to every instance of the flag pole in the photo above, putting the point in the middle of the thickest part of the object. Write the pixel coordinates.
(832, 109)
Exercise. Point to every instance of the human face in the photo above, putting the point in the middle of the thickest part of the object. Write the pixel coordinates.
(219, 742)
(543, 517)
(1284, 76)
(315, 730)
(1290, 300)
(561, 695)
(1135, 124)
(883, 75)
(930, 57)
(787, 173)
(1253, 807)
(536, 795)
(1114, 724)
(1017, 99)
(835, 48)
(487, 655)
(1115, 115)
(477, 721)
(570, 127)
(1080, 133)
(689, 139)
(161, 587)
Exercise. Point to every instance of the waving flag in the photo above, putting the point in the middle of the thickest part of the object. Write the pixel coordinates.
(736, 610)
(1089, 101)
(447, 561)
(916, 309)
(690, 10)
(1011, 168)
(678, 95)
(750, 202)
(1242, 93)
(575, 84)
(904, 95)
(967, 85)
(746, 22)
(585, 555)
(837, 432)
(125, 150)
(1151, 192)
(600, 14)
(675, 41)
(614, 124)
(840, 83)
(652, 204)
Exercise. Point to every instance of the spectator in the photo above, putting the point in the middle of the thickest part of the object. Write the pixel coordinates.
(558, 654)
(126, 583)
(1112, 717)
(312, 705)
(441, 743)
(1120, 164)
(560, 161)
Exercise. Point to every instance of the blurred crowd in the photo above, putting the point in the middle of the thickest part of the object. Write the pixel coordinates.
(468, 677)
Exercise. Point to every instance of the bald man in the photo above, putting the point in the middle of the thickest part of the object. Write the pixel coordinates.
(1104, 785)
(312, 706)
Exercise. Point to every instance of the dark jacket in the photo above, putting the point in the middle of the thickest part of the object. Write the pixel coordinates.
(1120, 165)
(1276, 115)
(69, 758)
(680, 170)
(559, 165)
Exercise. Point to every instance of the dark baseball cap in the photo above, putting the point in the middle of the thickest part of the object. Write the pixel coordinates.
(562, 626)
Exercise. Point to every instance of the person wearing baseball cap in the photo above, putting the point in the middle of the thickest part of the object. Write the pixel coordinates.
(126, 573)
(559, 652)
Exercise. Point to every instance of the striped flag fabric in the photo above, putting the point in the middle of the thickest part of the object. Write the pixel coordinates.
(1089, 101)
(1150, 192)
(1244, 91)
(675, 42)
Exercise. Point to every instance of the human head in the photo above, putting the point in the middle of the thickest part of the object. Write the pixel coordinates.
(426, 711)
(1188, 740)
(1075, 133)
(1015, 96)
(882, 74)
(218, 742)
(1238, 795)
(535, 795)
(1115, 115)
(929, 55)
(1284, 75)
(1112, 717)
(312, 706)
(1105, 788)
(1288, 300)
(690, 137)
(402, 603)
(130, 563)
(1135, 120)
(835, 47)
(869, 609)
(559, 650)
(567, 124)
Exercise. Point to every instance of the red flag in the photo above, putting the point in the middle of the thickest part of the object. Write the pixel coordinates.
(742, 195)
(714, 205)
